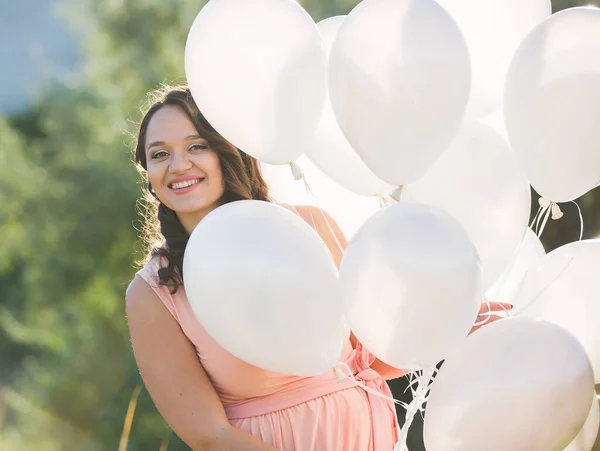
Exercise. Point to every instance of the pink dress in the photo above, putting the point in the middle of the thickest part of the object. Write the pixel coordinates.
(290, 413)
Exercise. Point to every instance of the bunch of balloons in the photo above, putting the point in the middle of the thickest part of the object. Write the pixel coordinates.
(400, 99)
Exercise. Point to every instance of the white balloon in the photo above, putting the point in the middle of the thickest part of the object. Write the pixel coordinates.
(264, 286)
(411, 280)
(330, 150)
(587, 435)
(257, 71)
(518, 384)
(493, 30)
(479, 181)
(349, 209)
(496, 122)
(528, 254)
(328, 29)
(563, 288)
(399, 80)
(552, 99)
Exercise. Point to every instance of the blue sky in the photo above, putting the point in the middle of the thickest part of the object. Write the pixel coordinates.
(35, 47)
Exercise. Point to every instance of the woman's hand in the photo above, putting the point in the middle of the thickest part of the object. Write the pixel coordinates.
(488, 313)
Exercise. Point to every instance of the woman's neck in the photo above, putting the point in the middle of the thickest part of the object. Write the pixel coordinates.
(190, 220)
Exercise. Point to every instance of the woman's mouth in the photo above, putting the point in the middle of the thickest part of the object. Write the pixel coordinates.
(186, 186)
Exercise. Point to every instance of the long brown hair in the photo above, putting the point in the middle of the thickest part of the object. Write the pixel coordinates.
(162, 232)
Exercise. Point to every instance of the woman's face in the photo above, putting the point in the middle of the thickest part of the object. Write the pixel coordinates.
(184, 171)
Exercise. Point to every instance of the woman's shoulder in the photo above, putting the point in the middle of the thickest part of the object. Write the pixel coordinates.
(149, 272)
(316, 217)
(304, 210)
(289, 207)
(138, 291)
(146, 279)
(146, 283)
(309, 213)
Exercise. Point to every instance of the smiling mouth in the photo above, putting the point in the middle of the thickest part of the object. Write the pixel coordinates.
(187, 183)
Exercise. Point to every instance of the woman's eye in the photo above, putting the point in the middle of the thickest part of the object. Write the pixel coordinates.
(199, 147)
(158, 154)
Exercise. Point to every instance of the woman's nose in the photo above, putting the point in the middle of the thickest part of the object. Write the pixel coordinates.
(180, 162)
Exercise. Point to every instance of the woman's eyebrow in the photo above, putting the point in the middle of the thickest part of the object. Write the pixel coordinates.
(194, 137)
(155, 144)
(187, 138)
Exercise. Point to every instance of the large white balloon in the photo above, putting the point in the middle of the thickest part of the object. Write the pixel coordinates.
(528, 254)
(411, 279)
(330, 150)
(265, 287)
(493, 30)
(348, 209)
(399, 80)
(589, 432)
(563, 288)
(479, 181)
(518, 384)
(552, 101)
(258, 72)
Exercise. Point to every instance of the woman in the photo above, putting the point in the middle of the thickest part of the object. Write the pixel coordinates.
(211, 399)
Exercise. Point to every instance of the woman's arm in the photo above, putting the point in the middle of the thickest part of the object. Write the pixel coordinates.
(175, 378)
(334, 238)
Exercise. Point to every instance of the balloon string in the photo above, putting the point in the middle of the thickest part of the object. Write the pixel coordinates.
(414, 381)
(340, 376)
(545, 215)
(543, 290)
(544, 205)
(535, 217)
(419, 398)
(546, 210)
(580, 220)
(550, 209)
(505, 275)
(299, 175)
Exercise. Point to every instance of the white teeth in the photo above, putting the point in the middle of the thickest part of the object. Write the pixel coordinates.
(180, 185)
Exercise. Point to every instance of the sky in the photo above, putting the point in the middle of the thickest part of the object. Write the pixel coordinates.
(35, 47)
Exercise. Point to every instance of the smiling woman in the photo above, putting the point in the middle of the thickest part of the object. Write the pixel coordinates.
(213, 400)
(190, 170)
(180, 161)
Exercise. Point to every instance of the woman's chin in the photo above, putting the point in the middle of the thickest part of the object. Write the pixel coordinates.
(194, 207)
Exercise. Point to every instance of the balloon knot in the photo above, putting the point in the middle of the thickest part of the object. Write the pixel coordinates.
(296, 171)
(544, 203)
(556, 211)
(339, 374)
(397, 194)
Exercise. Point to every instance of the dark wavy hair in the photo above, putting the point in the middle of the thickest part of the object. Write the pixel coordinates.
(162, 232)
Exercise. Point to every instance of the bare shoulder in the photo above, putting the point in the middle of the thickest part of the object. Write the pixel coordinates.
(137, 288)
(318, 218)
(312, 213)
(140, 296)
(303, 209)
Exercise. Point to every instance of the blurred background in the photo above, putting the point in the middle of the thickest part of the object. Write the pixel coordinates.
(74, 75)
